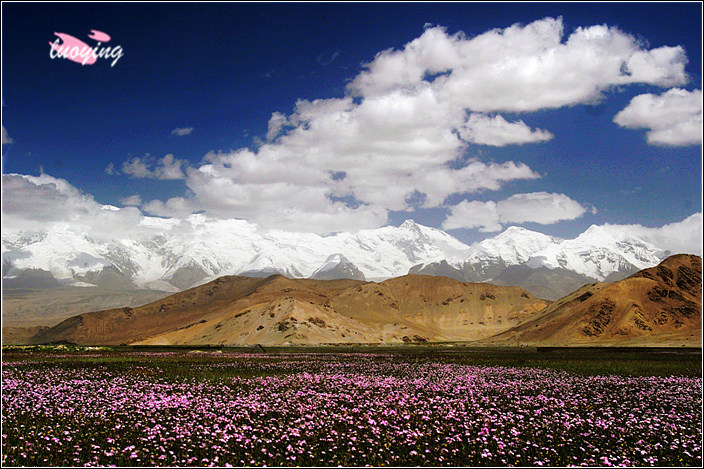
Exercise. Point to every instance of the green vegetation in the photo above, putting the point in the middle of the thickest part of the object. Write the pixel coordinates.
(581, 361)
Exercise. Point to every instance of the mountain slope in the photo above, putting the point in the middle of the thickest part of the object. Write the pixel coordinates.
(23, 307)
(337, 266)
(19, 335)
(439, 269)
(661, 305)
(550, 284)
(121, 325)
(278, 310)
(438, 308)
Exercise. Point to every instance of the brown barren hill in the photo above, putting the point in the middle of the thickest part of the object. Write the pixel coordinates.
(280, 311)
(659, 306)
(123, 325)
(418, 308)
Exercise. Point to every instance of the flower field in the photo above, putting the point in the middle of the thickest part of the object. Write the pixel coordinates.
(330, 409)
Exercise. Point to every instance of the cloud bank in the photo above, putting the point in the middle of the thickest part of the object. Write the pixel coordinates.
(680, 237)
(39, 203)
(537, 207)
(35, 203)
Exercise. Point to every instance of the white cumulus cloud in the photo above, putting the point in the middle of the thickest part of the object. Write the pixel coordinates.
(497, 131)
(473, 214)
(37, 203)
(522, 67)
(276, 123)
(537, 207)
(673, 118)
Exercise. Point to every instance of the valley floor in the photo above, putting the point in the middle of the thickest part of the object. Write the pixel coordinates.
(350, 406)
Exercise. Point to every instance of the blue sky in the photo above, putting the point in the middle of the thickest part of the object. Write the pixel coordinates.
(223, 70)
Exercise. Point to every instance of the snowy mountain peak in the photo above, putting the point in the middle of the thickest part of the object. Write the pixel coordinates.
(516, 230)
(512, 247)
(597, 233)
(337, 266)
(269, 263)
(409, 224)
(336, 258)
(332, 262)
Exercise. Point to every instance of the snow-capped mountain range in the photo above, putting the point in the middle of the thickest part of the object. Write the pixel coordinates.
(596, 253)
(176, 254)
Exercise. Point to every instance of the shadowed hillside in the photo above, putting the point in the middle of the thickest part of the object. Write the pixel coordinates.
(657, 306)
